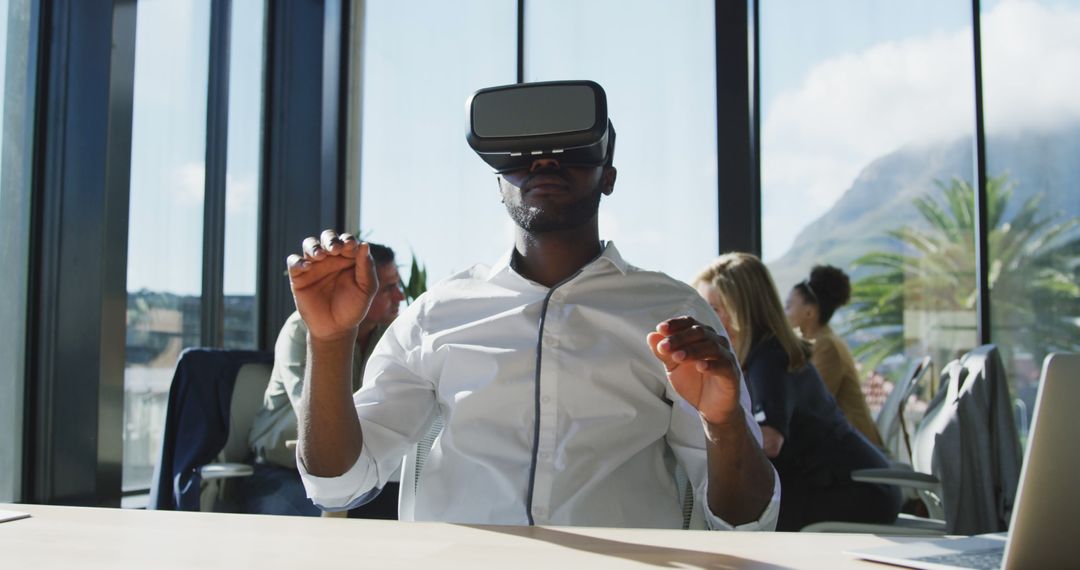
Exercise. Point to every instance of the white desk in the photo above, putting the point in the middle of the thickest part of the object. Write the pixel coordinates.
(82, 538)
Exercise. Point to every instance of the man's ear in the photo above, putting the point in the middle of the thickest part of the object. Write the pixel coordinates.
(608, 180)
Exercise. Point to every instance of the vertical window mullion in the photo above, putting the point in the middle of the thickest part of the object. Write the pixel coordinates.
(739, 189)
(982, 252)
(520, 41)
(217, 140)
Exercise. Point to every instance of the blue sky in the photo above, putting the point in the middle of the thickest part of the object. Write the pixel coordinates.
(834, 113)
(168, 146)
(792, 41)
(425, 191)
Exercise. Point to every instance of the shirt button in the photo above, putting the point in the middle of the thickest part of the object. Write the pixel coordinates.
(539, 511)
(545, 400)
(544, 456)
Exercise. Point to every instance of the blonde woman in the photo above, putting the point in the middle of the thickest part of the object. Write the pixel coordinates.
(810, 305)
(811, 444)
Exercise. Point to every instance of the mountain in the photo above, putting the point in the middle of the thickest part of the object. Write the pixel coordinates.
(881, 197)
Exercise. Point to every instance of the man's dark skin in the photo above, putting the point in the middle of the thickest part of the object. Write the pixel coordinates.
(557, 235)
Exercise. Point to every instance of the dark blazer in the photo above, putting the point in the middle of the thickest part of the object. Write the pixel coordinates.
(196, 422)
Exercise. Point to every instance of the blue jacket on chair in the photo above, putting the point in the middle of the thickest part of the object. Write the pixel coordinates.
(196, 422)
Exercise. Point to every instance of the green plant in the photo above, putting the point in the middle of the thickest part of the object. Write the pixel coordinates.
(1034, 259)
(417, 280)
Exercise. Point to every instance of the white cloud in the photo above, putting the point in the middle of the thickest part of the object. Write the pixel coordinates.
(189, 182)
(855, 108)
(240, 194)
(188, 185)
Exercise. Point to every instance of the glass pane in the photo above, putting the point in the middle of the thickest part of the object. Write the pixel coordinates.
(661, 90)
(867, 118)
(16, 111)
(165, 228)
(1032, 146)
(242, 175)
(422, 187)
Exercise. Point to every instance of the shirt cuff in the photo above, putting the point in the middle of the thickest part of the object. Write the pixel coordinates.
(767, 520)
(351, 489)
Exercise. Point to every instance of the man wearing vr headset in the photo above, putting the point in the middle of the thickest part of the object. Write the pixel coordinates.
(570, 382)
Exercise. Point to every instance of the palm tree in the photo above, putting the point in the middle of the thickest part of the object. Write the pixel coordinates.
(1034, 261)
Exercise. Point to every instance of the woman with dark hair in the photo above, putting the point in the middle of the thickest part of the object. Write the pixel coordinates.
(811, 444)
(810, 305)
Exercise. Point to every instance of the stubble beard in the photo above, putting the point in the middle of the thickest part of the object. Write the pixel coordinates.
(539, 220)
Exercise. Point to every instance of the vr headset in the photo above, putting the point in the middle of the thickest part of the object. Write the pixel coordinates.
(510, 126)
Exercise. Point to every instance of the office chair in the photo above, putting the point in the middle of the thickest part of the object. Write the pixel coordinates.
(236, 457)
(200, 424)
(412, 465)
(965, 456)
(890, 421)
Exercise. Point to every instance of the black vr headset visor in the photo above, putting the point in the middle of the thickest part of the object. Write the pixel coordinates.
(510, 126)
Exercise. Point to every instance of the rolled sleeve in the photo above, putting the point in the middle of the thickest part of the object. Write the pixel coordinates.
(766, 522)
(395, 406)
(351, 489)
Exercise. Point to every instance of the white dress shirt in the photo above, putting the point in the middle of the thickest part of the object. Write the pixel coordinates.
(555, 409)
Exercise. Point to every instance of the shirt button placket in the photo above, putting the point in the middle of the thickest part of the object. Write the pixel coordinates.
(549, 375)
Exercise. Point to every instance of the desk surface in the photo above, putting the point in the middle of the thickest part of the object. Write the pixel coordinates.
(78, 538)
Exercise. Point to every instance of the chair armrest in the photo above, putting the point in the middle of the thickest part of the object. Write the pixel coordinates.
(225, 470)
(900, 478)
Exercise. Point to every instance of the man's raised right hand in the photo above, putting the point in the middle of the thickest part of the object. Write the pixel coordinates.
(333, 284)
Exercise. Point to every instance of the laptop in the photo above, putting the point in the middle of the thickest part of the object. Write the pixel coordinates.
(1044, 519)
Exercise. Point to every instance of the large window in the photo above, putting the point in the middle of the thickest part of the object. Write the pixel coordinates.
(422, 188)
(866, 164)
(242, 175)
(656, 61)
(166, 216)
(1031, 78)
(168, 178)
(16, 109)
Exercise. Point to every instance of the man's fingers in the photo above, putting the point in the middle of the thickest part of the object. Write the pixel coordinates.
(296, 264)
(673, 326)
(687, 336)
(364, 271)
(705, 349)
(654, 339)
(683, 338)
(330, 242)
(718, 367)
(313, 249)
(304, 272)
(349, 245)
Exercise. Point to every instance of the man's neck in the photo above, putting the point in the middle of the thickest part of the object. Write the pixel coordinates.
(551, 257)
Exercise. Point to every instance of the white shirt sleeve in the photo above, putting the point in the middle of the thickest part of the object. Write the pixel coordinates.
(396, 405)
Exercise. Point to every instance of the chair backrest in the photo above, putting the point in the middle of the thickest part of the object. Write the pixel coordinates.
(940, 411)
(968, 441)
(412, 465)
(890, 420)
(197, 422)
(247, 396)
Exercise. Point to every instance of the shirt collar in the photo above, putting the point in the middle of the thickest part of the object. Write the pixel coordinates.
(609, 255)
